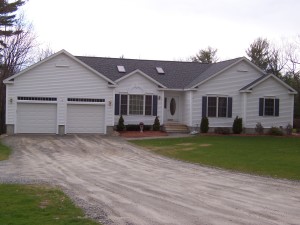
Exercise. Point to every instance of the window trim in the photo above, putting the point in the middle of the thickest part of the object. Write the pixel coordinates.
(144, 104)
(217, 105)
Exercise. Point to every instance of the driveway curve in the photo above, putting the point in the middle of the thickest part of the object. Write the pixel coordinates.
(117, 183)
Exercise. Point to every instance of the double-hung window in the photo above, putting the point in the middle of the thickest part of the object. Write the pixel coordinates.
(269, 106)
(216, 106)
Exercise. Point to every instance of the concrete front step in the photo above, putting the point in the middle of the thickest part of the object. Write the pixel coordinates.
(175, 128)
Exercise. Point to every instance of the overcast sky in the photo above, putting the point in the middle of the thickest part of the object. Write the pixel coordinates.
(161, 29)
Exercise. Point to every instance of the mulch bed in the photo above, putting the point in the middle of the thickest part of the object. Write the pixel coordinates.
(136, 134)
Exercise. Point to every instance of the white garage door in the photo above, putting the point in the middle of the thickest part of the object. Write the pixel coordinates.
(85, 119)
(36, 118)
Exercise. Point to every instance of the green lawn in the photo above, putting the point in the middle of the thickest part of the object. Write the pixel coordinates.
(263, 155)
(4, 152)
(36, 205)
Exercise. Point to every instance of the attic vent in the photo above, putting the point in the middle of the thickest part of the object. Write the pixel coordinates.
(121, 69)
(160, 70)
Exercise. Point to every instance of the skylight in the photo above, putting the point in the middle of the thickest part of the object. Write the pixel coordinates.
(160, 70)
(121, 69)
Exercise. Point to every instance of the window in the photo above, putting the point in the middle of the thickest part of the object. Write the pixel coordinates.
(148, 105)
(86, 100)
(268, 106)
(136, 104)
(124, 101)
(212, 107)
(121, 69)
(21, 98)
(217, 106)
(222, 107)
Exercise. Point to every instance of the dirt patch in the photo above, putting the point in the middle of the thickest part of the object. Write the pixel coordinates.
(205, 145)
(44, 204)
(188, 149)
(185, 144)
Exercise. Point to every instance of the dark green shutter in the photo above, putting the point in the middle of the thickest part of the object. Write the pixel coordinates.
(204, 105)
(276, 107)
(117, 104)
(154, 105)
(229, 110)
(261, 107)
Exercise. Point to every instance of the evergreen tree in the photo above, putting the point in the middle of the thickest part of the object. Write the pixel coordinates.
(156, 125)
(121, 126)
(204, 126)
(208, 55)
(258, 53)
(237, 126)
(7, 20)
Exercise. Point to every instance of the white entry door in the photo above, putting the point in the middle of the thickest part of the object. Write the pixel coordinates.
(36, 118)
(173, 108)
(85, 118)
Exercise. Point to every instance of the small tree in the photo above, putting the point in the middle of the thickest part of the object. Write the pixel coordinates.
(121, 126)
(156, 124)
(204, 125)
(237, 126)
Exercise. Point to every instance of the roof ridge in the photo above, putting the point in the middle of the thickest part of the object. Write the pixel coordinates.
(152, 60)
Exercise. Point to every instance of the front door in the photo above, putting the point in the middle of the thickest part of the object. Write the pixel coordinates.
(173, 108)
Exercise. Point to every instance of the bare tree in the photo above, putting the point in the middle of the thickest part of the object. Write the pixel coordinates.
(292, 76)
(17, 54)
(42, 53)
(276, 59)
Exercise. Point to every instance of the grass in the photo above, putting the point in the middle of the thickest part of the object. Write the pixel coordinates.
(36, 204)
(277, 157)
(4, 152)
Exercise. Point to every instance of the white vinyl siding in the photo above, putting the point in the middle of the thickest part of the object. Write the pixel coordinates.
(138, 84)
(37, 118)
(273, 88)
(227, 83)
(69, 81)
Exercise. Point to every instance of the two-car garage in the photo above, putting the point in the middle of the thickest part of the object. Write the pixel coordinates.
(40, 115)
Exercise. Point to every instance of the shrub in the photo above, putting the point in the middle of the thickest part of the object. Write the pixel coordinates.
(222, 130)
(136, 127)
(275, 131)
(289, 129)
(121, 126)
(237, 126)
(259, 128)
(156, 124)
(204, 126)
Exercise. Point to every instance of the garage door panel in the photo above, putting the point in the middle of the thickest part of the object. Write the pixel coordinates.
(36, 118)
(85, 118)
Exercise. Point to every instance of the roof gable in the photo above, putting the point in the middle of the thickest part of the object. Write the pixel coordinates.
(217, 68)
(11, 78)
(141, 73)
(248, 87)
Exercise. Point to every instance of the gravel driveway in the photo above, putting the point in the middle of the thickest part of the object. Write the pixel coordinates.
(117, 183)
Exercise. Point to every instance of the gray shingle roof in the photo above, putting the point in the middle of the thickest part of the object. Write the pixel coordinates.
(177, 75)
(253, 82)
